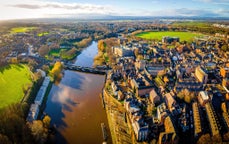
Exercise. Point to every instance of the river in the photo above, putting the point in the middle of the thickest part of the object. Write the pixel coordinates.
(74, 104)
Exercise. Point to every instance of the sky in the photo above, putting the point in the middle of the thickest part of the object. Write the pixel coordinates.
(23, 9)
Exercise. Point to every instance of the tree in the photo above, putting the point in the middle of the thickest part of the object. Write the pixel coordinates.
(101, 45)
(46, 121)
(217, 138)
(43, 50)
(4, 139)
(56, 71)
(38, 131)
(136, 52)
(45, 68)
(226, 137)
(204, 139)
(13, 125)
(84, 43)
(225, 48)
(186, 95)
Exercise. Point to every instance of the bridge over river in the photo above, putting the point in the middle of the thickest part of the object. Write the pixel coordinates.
(101, 71)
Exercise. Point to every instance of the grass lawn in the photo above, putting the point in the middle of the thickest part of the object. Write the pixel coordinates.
(191, 23)
(12, 80)
(56, 52)
(22, 29)
(188, 36)
(43, 34)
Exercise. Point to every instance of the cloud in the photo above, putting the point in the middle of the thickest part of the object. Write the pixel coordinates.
(186, 12)
(55, 5)
(223, 11)
(216, 2)
(47, 9)
(62, 9)
(26, 6)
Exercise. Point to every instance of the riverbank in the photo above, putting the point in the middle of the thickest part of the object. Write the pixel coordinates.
(75, 106)
(115, 111)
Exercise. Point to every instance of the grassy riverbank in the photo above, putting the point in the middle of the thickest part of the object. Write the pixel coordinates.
(14, 80)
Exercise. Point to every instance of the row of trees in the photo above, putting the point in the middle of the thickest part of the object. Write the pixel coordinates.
(70, 54)
(14, 129)
(105, 53)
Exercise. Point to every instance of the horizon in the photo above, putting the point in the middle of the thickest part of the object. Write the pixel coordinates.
(80, 9)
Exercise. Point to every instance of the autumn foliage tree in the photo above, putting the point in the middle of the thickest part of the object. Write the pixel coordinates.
(186, 95)
(105, 52)
(13, 127)
(55, 73)
(43, 50)
(204, 139)
(38, 131)
(46, 121)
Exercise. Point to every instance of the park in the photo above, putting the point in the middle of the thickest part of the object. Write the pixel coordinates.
(13, 80)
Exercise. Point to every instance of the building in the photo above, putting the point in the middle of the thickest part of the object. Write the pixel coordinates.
(34, 108)
(33, 112)
(123, 51)
(153, 96)
(139, 126)
(224, 72)
(203, 98)
(169, 136)
(225, 84)
(226, 119)
(170, 101)
(161, 112)
(227, 96)
(114, 88)
(201, 75)
(190, 85)
(141, 130)
(40, 95)
(121, 96)
(153, 71)
(197, 120)
(46, 81)
(212, 119)
(167, 39)
(140, 64)
(141, 86)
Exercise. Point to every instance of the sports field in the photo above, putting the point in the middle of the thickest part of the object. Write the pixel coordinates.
(187, 36)
(12, 80)
(22, 29)
(42, 34)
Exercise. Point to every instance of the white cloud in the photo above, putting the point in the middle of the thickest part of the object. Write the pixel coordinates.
(215, 2)
(39, 9)
(44, 9)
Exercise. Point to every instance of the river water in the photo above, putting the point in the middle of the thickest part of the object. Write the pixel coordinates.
(75, 106)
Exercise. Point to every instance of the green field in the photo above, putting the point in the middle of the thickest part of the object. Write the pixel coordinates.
(22, 29)
(187, 36)
(191, 23)
(12, 80)
(43, 34)
(56, 52)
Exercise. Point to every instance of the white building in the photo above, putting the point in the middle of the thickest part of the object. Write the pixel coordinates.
(33, 112)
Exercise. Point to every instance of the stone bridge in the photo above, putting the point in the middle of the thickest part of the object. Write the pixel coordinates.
(101, 71)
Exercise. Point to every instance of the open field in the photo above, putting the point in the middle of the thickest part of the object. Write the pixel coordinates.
(56, 52)
(22, 29)
(191, 23)
(188, 36)
(63, 53)
(42, 34)
(12, 80)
